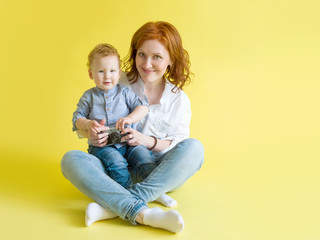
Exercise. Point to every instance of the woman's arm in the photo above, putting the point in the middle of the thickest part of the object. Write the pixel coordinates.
(159, 145)
(178, 118)
(136, 138)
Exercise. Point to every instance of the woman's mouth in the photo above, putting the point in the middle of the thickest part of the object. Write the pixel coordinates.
(147, 71)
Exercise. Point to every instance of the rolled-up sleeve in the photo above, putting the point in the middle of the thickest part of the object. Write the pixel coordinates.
(180, 116)
(82, 111)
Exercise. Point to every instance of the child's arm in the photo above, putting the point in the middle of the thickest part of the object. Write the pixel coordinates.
(89, 125)
(136, 115)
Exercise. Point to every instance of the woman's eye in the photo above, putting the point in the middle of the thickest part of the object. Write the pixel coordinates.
(157, 57)
(141, 54)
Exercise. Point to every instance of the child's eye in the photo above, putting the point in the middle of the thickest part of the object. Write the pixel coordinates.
(100, 71)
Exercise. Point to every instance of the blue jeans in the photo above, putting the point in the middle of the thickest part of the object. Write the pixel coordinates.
(116, 161)
(87, 173)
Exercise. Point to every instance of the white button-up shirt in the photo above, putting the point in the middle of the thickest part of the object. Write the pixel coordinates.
(168, 120)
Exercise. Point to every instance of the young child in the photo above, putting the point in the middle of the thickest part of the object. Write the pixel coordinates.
(115, 103)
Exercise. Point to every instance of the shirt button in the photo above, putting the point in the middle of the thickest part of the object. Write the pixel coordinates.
(107, 109)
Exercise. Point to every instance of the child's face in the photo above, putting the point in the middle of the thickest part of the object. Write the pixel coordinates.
(105, 71)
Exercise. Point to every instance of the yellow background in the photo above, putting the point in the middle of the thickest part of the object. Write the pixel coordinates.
(255, 100)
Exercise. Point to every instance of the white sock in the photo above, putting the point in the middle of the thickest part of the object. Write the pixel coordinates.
(95, 212)
(170, 220)
(167, 201)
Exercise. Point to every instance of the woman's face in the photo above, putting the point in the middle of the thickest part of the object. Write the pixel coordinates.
(152, 60)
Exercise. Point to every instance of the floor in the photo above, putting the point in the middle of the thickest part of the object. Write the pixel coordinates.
(217, 203)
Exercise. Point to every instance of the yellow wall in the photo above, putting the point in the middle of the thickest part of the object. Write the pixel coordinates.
(255, 96)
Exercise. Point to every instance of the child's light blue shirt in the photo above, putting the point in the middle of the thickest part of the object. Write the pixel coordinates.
(97, 104)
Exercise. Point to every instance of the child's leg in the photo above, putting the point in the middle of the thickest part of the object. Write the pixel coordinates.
(142, 163)
(116, 165)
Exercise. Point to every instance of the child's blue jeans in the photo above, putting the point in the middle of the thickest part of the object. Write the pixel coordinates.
(117, 161)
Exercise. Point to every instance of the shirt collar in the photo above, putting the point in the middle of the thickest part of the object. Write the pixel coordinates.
(166, 92)
(108, 93)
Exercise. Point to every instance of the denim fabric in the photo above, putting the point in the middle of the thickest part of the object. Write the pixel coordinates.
(116, 162)
(88, 174)
(174, 168)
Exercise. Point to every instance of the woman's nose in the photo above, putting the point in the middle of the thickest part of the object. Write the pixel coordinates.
(148, 63)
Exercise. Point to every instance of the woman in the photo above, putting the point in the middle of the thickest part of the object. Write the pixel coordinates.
(157, 69)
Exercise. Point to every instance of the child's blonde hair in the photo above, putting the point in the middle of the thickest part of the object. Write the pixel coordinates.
(103, 49)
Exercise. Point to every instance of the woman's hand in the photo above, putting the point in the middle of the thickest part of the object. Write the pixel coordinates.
(100, 137)
(134, 137)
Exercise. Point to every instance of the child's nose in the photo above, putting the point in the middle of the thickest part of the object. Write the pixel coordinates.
(108, 74)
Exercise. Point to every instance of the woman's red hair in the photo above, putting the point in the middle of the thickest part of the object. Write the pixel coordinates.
(179, 73)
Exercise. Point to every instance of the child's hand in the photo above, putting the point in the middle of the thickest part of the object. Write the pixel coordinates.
(99, 139)
(122, 122)
(93, 126)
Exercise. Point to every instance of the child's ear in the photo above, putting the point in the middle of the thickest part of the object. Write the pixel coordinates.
(90, 74)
